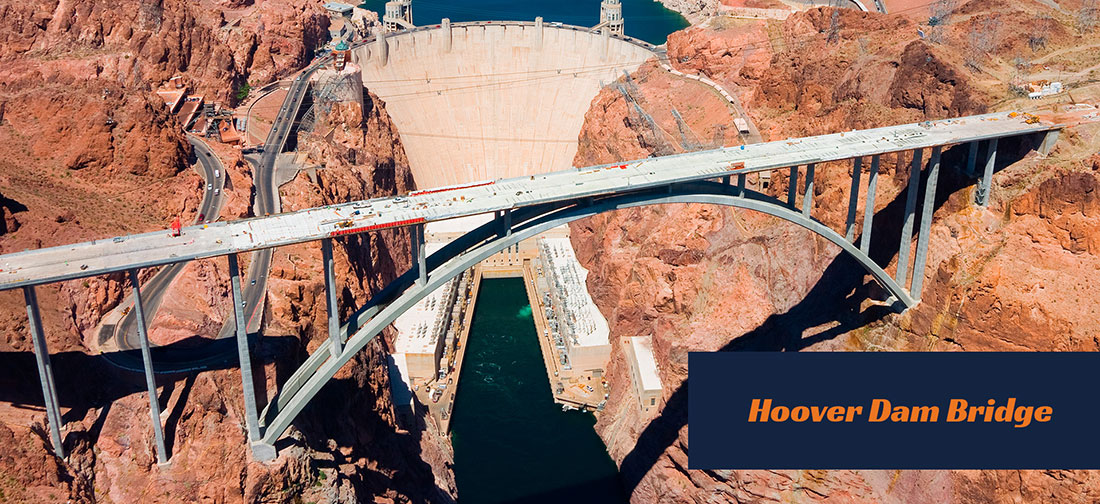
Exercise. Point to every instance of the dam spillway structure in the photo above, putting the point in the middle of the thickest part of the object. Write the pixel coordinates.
(493, 99)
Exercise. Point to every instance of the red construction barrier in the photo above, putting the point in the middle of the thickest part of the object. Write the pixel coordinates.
(373, 227)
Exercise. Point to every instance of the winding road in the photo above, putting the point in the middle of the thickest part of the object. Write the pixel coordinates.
(217, 353)
(125, 331)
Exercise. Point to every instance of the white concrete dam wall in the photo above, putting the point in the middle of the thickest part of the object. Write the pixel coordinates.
(495, 100)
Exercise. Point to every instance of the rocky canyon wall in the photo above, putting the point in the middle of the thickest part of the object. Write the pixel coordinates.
(89, 152)
(705, 278)
(347, 448)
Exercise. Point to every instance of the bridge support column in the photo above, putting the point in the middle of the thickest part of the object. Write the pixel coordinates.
(147, 362)
(987, 175)
(792, 187)
(45, 370)
(808, 197)
(925, 223)
(853, 200)
(331, 304)
(907, 220)
(741, 185)
(416, 232)
(1049, 139)
(260, 450)
(971, 158)
(725, 180)
(869, 207)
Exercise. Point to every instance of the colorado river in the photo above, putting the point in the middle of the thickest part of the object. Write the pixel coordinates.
(644, 19)
(512, 443)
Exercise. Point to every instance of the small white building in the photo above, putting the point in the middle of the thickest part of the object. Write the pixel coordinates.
(643, 372)
(339, 15)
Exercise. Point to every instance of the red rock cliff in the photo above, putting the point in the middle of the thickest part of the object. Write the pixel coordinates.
(705, 278)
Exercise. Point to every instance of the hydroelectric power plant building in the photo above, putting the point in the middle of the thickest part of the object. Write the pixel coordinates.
(577, 327)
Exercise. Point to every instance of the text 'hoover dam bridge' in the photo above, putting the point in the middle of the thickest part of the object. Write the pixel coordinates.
(524, 207)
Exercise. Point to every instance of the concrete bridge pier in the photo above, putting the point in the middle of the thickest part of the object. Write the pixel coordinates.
(331, 304)
(987, 175)
(147, 362)
(45, 370)
(925, 224)
(971, 159)
(505, 223)
(1049, 139)
(853, 200)
(416, 234)
(792, 187)
(741, 185)
(869, 207)
(907, 221)
(808, 196)
(260, 451)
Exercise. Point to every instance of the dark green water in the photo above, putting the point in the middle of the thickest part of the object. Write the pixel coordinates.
(644, 19)
(512, 443)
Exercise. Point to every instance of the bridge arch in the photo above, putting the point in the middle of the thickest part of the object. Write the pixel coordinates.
(490, 238)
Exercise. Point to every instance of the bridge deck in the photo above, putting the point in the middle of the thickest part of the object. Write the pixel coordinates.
(156, 248)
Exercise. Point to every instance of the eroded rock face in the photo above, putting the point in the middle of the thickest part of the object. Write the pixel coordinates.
(90, 152)
(138, 43)
(354, 421)
(693, 10)
(706, 278)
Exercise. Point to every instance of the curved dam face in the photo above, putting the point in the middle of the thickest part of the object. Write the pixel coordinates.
(477, 101)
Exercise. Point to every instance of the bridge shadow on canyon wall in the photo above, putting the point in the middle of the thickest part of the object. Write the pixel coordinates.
(94, 382)
(834, 301)
(333, 420)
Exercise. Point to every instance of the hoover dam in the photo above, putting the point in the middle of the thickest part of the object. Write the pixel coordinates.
(487, 100)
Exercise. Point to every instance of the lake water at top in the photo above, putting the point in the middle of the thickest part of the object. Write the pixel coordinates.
(648, 20)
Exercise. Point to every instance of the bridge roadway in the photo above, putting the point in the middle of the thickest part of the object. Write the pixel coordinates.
(125, 333)
(157, 248)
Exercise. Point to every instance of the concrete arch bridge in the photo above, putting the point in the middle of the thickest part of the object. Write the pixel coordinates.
(524, 207)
